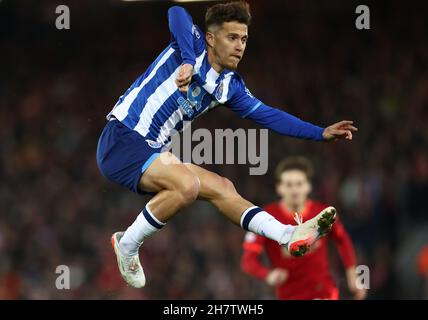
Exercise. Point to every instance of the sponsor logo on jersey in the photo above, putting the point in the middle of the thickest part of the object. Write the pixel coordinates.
(185, 105)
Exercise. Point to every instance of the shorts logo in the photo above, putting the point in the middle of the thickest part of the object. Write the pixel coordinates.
(154, 144)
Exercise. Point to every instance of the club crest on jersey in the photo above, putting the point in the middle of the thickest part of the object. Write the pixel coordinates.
(219, 91)
(154, 144)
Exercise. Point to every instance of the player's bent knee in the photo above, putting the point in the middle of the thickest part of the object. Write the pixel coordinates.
(228, 185)
(189, 189)
(228, 188)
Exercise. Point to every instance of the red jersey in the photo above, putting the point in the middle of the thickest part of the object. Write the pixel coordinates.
(309, 276)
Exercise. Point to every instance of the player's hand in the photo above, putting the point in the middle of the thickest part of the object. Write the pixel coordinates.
(184, 77)
(277, 277)
(351, 277)
(339, 130)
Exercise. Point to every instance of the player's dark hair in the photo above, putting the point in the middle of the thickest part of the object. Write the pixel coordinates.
(294, 163)
(238, 11)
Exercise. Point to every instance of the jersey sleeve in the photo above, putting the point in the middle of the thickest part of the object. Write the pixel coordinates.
(199, 43)
(250, 261)
(343, 243)
(240, 99)
(247, 106)
(253, 242)
(185, 36)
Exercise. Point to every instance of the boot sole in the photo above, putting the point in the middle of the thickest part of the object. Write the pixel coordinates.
(325, 223)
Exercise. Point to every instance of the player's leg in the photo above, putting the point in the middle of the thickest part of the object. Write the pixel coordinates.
(175, 186)
(221, 193)
(126, 158)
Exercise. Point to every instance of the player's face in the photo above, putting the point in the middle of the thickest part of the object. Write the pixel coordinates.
(294, 187)
(228, 44)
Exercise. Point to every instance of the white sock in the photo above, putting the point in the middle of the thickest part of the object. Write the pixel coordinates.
(143, 227)
(258, 221)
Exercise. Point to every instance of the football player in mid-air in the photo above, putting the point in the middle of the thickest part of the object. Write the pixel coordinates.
(195, 73)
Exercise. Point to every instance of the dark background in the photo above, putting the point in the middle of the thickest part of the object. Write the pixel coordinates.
(305, 57)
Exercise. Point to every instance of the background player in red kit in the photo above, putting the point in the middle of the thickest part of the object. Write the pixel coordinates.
(306, 277)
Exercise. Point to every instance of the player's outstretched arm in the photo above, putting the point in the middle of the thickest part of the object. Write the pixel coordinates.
(241, 101)
(289, 125)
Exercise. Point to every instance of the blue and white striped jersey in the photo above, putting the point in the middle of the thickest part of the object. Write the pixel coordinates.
(154, 107)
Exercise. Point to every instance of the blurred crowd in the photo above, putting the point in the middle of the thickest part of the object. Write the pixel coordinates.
(305, 57)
